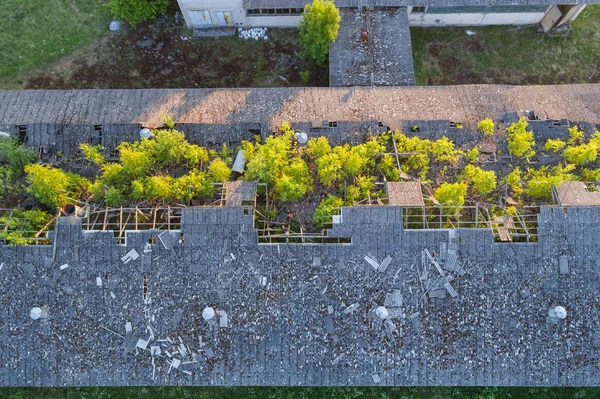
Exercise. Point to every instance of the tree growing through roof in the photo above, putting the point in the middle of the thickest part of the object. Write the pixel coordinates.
(219, 170)
(486, 127)
(554, 145)
(576, 135)
(136, 11)
(472, 155)
(520, 141)
(580, 154)
(513, 179)
(484, 181)
(542, 180)
(444, 150)
(319, 27)
(451, 194)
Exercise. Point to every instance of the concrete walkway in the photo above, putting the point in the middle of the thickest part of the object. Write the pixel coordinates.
(373, 49)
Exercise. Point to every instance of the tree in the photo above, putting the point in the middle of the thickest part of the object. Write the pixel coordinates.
(451, 194)
(329, 168)
(15, 155)
(329, 206)
(317, 147)
(219, 170)
(159, 188)
(576, 135)
(513, 179)
(93, 153)
(473, 154)
(114, 197)
(443, 150)
(486, 127)
(319, 27)
(542, 180)
(49, 185)
(554, 145)
(136, 11)
(135, 163)
(389, 167)
(580, 154)
(196, 155)
(266, 161)
(484, 181)
(520, 141)
(295, 181)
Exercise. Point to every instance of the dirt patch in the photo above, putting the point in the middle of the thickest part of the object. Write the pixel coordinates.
(448, 64)
(159, 55)
(435, 49)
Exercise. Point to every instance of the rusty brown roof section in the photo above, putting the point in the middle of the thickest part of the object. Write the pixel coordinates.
(405, 193)
(576, 193)
(273, 106)
(239, 191)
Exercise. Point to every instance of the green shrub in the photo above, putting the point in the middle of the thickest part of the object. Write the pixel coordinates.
(329, 168)
(590, 175)
(166, 147)
(520, 141)
(22, 226)
(219, 170)
(114, 197)
(486, 127)
(265, 162)
(329, 206)
(419, 162)
(473, 154)
(93, 153)
(576, 135)
(305, 76)
(294, 182)
(191, 186)
(444, 151)
(136, 11)
(112, 174)
(138, 191)
(389, 168)
(196, 155)
(48, 185)
(319, 27)
(542, 180)
(451, 194)
(580, 154)
(318, 147)
(484, 181)
(554, 145)
(135, 163)
(15, 155)
(159, 188)
(513, 179)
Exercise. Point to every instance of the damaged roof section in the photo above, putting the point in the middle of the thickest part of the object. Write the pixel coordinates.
(575, 193)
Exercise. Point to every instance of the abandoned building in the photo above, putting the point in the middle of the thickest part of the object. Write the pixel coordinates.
(200, 14)
(197, 296)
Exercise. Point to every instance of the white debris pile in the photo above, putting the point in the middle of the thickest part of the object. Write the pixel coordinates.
(253, 33)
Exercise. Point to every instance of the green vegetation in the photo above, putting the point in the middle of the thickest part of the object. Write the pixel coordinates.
(513, 179)
(329, 206)
(48, 185)
(554, 145)
(319, 27)
(15, 155)
(37, 32)
(486, 127)
(505, 55)
(451, 194)
(472, 155)
(136, 11)
(21, 226)
(581, 154)
(484, 181)
(520, 141)
(542, 180)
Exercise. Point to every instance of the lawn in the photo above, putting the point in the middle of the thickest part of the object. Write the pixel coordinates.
(37, 32)
(300, 393)
(508, 55)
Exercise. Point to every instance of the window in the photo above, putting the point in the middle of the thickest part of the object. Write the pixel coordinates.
(416, 10)
(273, 11)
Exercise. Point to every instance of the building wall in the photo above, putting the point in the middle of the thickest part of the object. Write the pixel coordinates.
(281, 21)
(213, 6)
(474, 19)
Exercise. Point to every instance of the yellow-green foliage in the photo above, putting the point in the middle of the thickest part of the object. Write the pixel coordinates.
(196, 155)
(576, 135)
(389, 168)
(472, 155)
(329, 206)
(554, 145)
(486, 127)
(93, 153)
(520, 141)
(595, 140)
(513, 179)
(580, 154)
(419, 161)
(113, 197)
(48, 185)
(136, 163)
(21, 226)
(138, 191)
(451, 195)
(318, 147)
(329, 167)
(159, 188)
(15, 155)
(191, 186)
(295, 181)
(265, 162)
(112, 174)
(219, 170)
(319, 27)
(444, 151)
(541, 180)
(590, 175)
(484, 181)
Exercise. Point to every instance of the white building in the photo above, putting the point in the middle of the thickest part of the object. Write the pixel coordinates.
(200, 14)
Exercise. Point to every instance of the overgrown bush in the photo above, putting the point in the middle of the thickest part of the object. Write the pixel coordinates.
(93, 153)
(219, 170)
(513, 179)
(328, 207)
(319, 27)
(554, 145)
(444, 150)
(15, 155)
(484, 181)
(576, 135)
(520, 141)
(295, 181)
(451, 194)
(580, 154)
(22, 226)
(318, 147)
(49, 185)
(486, 127)
(136, 11)
(472, 155)
(542, 180)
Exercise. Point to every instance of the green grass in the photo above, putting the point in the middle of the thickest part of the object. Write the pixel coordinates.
(509, 55)
(300, 393)
(36, 32)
